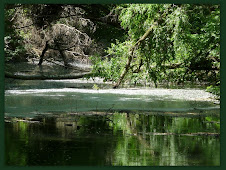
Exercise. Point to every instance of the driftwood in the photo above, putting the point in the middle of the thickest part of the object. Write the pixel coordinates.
(46, 77)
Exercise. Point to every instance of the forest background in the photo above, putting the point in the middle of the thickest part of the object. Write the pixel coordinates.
(135, 43)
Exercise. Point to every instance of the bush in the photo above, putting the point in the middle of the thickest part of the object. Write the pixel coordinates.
(213, 89)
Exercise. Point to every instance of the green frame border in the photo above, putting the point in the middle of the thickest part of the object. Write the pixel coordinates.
(222, 70)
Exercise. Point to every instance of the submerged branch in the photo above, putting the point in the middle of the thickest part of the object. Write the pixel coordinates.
(187, 134)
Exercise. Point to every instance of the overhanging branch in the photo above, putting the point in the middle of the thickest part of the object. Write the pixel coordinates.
(127, 67)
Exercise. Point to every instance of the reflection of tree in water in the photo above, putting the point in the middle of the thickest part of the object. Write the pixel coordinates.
(65, 140)
(161, 150)
(70, 126)
(114, 139)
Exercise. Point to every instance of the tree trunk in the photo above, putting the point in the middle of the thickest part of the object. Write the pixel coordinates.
(124, 72)
(62, 53)
(46, 77)
(127, 67)
(43, 53)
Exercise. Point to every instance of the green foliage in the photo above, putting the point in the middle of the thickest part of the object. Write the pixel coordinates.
(14, 44)
(14, 49)
(96, 87)
(111, 67)
(186, 34)
(213, 89)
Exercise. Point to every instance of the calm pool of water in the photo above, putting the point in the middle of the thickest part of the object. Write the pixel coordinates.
(119, 139)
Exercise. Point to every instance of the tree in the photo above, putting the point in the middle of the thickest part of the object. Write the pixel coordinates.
(14, 48)
(185, 39)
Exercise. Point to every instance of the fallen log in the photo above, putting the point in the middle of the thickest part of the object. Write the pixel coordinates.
(46, 77)
(70, 66)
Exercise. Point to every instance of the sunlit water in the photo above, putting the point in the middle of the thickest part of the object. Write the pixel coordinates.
(30, 102)
(70, 123)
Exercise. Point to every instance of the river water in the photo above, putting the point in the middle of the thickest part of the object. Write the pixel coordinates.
(67, 122)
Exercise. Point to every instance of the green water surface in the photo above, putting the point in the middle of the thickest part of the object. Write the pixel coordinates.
(119, 139)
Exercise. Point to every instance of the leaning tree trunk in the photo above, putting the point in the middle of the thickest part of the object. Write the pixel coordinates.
(43, 53)
(127, 66)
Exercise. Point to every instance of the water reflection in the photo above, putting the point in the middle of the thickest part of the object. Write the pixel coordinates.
(111, 139)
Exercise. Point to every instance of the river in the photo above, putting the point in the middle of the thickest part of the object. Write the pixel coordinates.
(68, 122)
